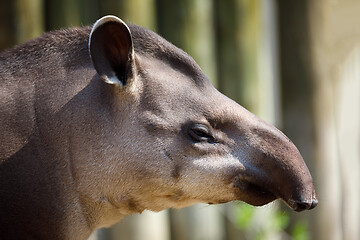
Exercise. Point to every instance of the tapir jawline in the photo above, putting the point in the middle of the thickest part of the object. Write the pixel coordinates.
(99, 123)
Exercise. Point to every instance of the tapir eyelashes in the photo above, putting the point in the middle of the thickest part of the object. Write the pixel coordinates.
(201, 133)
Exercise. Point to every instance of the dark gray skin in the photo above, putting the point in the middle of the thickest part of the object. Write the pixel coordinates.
(87, 139)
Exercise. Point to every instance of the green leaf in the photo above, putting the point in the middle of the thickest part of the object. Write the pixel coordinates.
(244, 214)
(301, 231)
(281, 220)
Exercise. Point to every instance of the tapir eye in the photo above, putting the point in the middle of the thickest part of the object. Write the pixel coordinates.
(200, 133)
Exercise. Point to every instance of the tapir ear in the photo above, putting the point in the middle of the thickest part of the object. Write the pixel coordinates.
(111, 50)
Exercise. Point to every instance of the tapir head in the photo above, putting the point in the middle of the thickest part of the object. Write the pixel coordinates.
(177, 140)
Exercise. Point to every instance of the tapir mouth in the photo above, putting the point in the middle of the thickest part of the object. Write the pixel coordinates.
(260, 194)
(256, 189)
(256, 194)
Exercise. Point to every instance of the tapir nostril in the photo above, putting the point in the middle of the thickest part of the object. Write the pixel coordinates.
(314, 203)
(302, 205)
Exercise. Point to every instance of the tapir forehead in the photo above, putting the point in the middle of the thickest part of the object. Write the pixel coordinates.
(151, 45)
(172, 97)
(167, 88)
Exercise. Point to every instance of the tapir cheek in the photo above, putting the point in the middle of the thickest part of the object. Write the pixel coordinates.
(215, 173)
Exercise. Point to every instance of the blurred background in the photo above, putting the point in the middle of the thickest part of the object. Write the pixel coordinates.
(296, 64)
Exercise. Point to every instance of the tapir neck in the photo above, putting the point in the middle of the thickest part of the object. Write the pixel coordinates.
(39, 191)
(38, 197)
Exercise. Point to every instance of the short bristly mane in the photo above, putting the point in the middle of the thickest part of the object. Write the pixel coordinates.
(72, 45)
(148, 43)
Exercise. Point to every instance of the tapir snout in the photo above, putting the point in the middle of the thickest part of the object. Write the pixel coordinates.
(280, 169)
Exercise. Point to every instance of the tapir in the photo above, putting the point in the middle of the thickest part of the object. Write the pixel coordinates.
(108, 120)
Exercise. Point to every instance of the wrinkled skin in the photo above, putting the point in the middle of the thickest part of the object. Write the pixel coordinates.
(136, 125)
